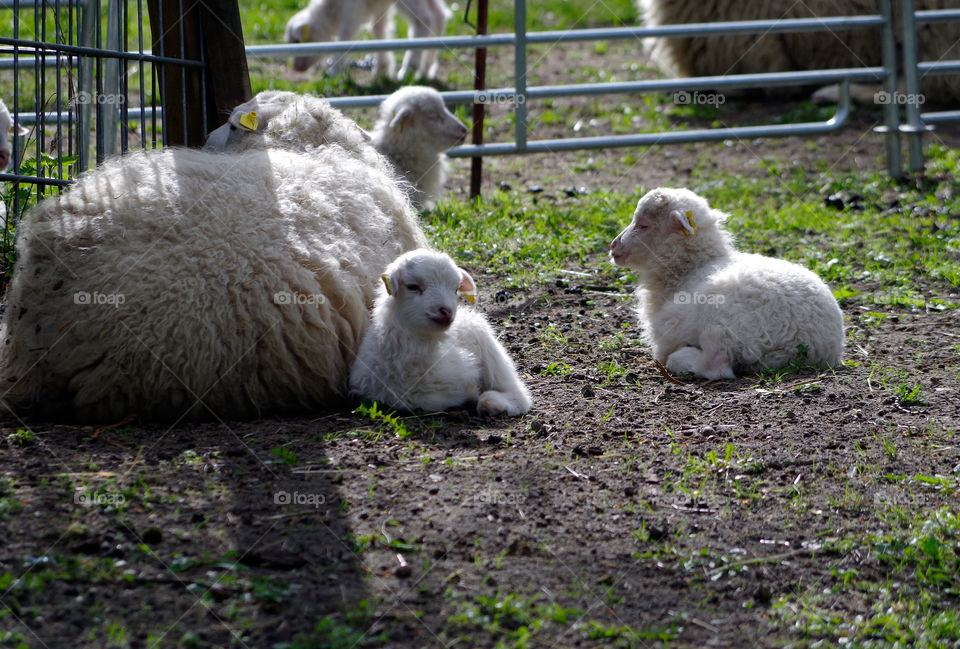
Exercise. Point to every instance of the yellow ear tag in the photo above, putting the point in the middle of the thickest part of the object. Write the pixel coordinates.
(692, 223)
(305, 34)
(249, 121)
(469, 296)
(386, 282)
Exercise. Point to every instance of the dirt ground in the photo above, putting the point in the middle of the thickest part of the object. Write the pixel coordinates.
(624, 500)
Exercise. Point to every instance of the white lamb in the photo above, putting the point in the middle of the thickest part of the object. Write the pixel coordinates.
(327, 20)
(413, 131)
(182, 283)
(6, 132)
(713, 311)
(420, 354)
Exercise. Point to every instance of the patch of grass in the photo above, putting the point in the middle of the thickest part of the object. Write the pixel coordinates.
(386, 420)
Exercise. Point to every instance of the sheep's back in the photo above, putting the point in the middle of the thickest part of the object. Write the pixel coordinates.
(180, 282)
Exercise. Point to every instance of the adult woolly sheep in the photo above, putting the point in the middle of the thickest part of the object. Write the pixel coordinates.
(713, 311)
(421, 353)
(182, 283)
(754, 53)
(413, 131)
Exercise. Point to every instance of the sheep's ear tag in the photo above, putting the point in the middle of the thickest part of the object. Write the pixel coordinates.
(249, 121)
(305, 33)
(467, 289)
(386, 282)
(687, 225)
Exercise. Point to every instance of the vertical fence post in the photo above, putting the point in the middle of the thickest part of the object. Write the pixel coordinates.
(520, 72)
(914, 127)
(227, 78)
(479, 84)
(891, 113)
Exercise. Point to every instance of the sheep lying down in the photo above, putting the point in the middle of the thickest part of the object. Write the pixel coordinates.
(423, 353)
(712, 311)
(179, 283)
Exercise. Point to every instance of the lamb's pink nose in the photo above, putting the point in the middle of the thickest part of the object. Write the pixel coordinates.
(444, 316)
(4, 160)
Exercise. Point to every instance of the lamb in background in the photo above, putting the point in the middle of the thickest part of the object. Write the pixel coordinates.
(413, 131)
(754, 53)
(327, 20)
(713, 311)
(419, 353)
(6, 132)
(179, 283)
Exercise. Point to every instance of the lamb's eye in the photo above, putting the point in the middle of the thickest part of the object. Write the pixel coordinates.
(414, 288)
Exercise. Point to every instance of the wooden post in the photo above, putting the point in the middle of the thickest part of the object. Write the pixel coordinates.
(480, 83)
(198, 30)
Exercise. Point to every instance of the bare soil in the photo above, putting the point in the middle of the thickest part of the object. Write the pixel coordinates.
(609, 498)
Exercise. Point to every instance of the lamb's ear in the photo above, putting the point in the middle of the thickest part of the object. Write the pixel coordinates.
(366, 136)
(467, 288)
(401, 119)
(683, 222)
(391, 280)
(20, 130)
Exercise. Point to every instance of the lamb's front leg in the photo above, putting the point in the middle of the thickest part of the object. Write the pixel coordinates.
(382, 29)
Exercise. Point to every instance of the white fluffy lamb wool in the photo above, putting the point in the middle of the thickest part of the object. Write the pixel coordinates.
(182, 283)
(423, 353)
(414, 130)
(711, 310)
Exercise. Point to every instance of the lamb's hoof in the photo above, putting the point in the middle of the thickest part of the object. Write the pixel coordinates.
(492, 404)
(684, 360)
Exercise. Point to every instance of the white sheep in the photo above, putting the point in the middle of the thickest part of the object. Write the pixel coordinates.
(6, 132)
(711, 310)
(755, 53)
(413, 131)
(181, 283)
(420, 353)
(327, 20)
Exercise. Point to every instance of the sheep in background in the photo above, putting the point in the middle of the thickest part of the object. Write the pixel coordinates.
(755, 53)
(6, 132)
(179, 283)
(713, 311)
(427, 18)
(419, 353)
(413, 131)
(327, 20)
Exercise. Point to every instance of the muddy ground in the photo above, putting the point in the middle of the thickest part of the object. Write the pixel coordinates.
(627, 509)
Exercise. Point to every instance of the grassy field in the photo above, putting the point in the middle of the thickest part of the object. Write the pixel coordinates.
(793, 508)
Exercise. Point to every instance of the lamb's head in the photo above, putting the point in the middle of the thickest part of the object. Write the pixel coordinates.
(6, 132)
(422, 287)
(300, 30)
(415, 116)
(666, 220)
(281, 119)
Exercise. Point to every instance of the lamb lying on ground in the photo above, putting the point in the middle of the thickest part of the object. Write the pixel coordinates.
(179, 283)
(328, 20)
(421, 354)
(713, 311)
(414, 130)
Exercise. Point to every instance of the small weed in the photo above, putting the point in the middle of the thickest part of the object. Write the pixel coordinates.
(555, 369)
(283, 455)
(386, 419)
(22, 437)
